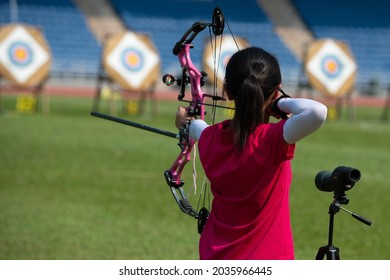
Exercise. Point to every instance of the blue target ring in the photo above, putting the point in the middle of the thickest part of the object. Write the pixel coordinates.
(20, 54)
(331, 66)
(132, 59)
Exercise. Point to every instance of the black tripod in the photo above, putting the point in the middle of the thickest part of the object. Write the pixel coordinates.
(332, 252)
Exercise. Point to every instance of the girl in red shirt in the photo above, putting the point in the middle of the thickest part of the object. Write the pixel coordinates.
(247, 160)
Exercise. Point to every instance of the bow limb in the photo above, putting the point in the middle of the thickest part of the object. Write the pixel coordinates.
(174, 181)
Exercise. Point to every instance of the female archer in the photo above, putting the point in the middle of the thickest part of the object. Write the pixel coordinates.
(247, 160)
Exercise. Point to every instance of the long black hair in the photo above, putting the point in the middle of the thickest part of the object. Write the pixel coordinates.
(252, 75)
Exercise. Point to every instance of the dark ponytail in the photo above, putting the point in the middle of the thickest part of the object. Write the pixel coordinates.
(247, 115)
(252, 75)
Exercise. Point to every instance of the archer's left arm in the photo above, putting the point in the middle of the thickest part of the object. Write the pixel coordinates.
(196, 127)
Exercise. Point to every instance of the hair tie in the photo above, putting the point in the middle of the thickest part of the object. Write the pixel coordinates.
(251, 76)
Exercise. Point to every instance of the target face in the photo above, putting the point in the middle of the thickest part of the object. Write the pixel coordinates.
(131, 60)
(24, 55)
(20, 54)
(330, 67)
(225, 50)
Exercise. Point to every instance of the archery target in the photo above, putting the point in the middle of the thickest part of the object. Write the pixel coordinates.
(131, 60)
(24, 55)
(224, 48)
(330, 67)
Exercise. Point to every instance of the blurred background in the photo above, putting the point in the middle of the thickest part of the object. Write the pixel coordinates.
(75, 32)
(74, 187)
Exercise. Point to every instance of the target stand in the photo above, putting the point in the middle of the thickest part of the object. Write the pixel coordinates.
(29, 99)
(385, 113)
(130, 66)
(304, 88)
(25, 61)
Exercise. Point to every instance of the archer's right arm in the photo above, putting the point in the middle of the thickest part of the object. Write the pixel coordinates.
(307, 116)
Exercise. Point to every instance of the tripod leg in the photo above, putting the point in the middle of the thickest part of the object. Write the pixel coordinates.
(321, 253)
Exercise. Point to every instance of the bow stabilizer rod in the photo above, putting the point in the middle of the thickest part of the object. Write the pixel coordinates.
(137, 125)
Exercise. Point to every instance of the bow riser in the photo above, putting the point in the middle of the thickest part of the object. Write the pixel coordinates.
(196, 108)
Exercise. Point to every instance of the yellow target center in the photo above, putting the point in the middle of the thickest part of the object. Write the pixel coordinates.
(20, 53)
(132, 59)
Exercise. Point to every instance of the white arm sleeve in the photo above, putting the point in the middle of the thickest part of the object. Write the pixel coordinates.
(307, 116)
(196, 128)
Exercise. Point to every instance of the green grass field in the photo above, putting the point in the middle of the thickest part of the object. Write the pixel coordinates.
(74, 186)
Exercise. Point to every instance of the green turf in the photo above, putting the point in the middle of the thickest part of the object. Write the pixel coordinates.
(74, 186)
